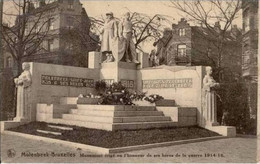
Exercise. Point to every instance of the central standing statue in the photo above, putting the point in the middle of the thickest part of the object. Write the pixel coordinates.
(125, 32)
(116, 42)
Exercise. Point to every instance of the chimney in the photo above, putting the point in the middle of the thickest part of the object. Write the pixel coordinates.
(42, 3)
(234, 26)
(234, 31)
(174, 25)
(183, 20)
(217, 27)
(30, 7)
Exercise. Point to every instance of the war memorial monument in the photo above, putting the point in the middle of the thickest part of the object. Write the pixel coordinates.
(55, 94)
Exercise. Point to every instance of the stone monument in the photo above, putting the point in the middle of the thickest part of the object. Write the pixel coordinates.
(209, 99)
(23, 83)
(116, 40)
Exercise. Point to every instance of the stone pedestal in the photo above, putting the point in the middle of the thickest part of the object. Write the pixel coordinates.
(94, 59)
(120, 71)
(229, 131)
(144, 60)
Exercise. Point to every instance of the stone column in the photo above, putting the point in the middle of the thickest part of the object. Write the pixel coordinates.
(211, 109)
(20, 102)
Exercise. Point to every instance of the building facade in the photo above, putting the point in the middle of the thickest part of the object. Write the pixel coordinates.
(55, 28)
(194, 45)
(1, 21)
(249, 51)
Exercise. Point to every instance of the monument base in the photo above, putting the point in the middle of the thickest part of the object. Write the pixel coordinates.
(20, 119)
(229, 131)
(5, 125)
(209, 123)
(123, 72)
(114, 117)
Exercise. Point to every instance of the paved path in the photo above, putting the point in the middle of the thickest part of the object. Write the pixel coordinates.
(225, 150)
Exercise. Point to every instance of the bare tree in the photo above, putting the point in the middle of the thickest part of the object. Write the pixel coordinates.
(79, 39)
(206, 13)
(31, 28)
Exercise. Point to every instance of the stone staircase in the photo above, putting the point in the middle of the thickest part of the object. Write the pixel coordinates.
(111, 117)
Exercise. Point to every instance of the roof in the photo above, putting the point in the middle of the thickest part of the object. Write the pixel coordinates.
(45, 7)
(213, 34)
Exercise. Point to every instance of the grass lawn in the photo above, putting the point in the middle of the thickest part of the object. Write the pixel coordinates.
(120, 138)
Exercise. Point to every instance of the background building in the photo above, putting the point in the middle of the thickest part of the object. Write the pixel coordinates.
(66, 39)
(1, 21)
(56, 32)
(194, 45)
(249, 51)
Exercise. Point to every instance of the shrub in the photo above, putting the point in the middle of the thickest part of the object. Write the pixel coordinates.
(233, 104)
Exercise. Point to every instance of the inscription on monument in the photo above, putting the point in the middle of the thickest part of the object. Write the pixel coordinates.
(108, 81)
(67, 81)
(168, 83)
(128, 83)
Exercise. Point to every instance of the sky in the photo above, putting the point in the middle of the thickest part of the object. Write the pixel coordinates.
(96, 8)
(149, 7)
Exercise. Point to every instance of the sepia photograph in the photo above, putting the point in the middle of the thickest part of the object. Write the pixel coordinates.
(129, 81)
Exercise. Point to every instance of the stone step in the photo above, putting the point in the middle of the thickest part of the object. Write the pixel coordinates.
(68, 100)
(84, 100)
(48, 132)
(116, 113)
(115, 119)
(143, 125)
(141, 119)
(91, 125)
(165, 102)
(60, 127)
(54, 108)
(116, 107)
(77, 117)
(116, 126)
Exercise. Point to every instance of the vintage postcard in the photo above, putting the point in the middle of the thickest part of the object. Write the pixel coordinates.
(92, 81)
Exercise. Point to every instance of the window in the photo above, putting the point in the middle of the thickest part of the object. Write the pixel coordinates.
(246, 20)
(51, 1)
(37, 4)
(50, 45)
(69, 46)
(51, 23)
(9, 62)
(182, 32)
(70, 22)
(40, 47)
(70, 5)
(182, 50)
(37, 29)
(26, 30)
